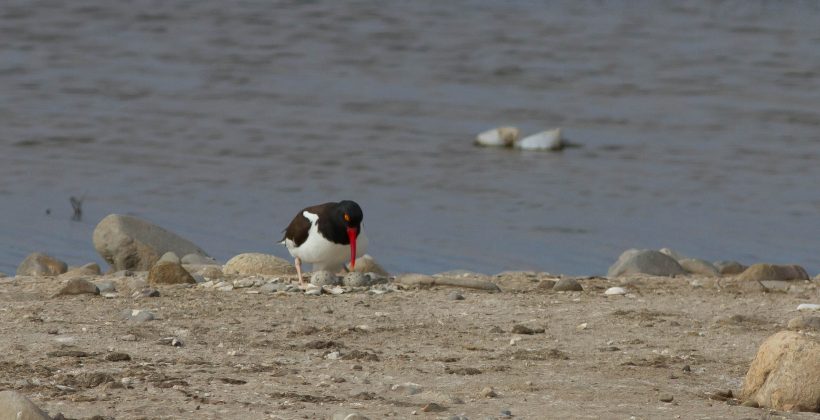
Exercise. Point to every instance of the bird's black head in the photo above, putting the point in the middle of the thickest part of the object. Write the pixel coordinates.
(350, 213)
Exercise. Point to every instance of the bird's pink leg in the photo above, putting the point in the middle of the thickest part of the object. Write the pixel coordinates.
(299, 271)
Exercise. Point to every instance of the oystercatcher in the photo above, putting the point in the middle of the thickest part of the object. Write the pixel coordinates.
(325, 235)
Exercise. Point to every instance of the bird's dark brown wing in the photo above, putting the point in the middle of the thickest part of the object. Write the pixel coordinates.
(298, 229)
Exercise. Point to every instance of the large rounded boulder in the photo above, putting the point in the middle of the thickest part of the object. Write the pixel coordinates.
(130, 243)
(785, 373)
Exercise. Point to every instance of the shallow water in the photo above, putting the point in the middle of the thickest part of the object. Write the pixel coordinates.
(219, 120)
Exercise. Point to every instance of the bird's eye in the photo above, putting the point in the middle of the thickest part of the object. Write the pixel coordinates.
(347, 217)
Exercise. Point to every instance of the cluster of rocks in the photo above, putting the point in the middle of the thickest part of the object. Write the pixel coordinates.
(667, 262)
(548, 140)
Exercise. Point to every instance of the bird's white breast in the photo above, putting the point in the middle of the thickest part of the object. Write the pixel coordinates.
(322, 253)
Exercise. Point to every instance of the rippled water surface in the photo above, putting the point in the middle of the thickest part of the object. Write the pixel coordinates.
(219, 120)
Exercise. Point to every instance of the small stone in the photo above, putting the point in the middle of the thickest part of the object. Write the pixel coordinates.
(128, 337)
(169, 257)
(146, 293)
(546, 284)
(170, 341)
(488, 392)
(106, 286)
(687, 368)
(324, 278)
(37, 264)
(522, 329)
(242, 283)
(78, 286)
(498, 137)
(356, 279)
(313, 291)
(117, 357)
(666, 398)
(455, 296)
(169, 273)
(407, 388)
(53, 331)
(808, 307)
(805, 323)
(272, 287)
(506, 413)
(433, 408)
(615, 291)
(567, 285)
(136, 315)
(581, 327)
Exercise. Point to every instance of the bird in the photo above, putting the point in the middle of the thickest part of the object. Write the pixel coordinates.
(325, 235)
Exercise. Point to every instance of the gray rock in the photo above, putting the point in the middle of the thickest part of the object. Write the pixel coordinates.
(37, 264)
(729, 267)
(198, 259)
(90, 269)
(697, 266)
(273, 287)
(356, 279)
(567, 285)
(106, 286)
(130, 243)
(136, 315)
(366, 264)
(645, 261)
(325, 278)
(316, 291)
(455, 296)
(169, 256)
(506, 413)
(210, 271)
(169, 273)
(243, 283)
(78, 286)
(15, 406)
(805, 323)
(258, 264)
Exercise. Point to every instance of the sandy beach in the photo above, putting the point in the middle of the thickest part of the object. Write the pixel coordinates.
(669, 348)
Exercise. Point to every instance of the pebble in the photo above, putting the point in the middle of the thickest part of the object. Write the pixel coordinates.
(169, 273)
(225, 287)
(356, 279)
(313, 291)
(136, 315)
(808, 307)
(324, 278)
(129, 337)
(615, 291)
(347, 415)
(242, 283)
(455, 296)
(488, 392)
(106, 286)
(581, 327)
(172, 341)
(506, 413)
(145, 293)
(666, 398)
(567, 285)
(333, 290)
(433, 408)
(407, 388)
(523, 329)
(117, 357)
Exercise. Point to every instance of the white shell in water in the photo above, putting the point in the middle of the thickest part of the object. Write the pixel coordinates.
(501, 137)
(545, 140)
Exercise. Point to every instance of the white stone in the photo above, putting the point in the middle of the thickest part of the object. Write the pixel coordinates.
(545, 140)
(615, 291)
(808, 307)
(499, 137)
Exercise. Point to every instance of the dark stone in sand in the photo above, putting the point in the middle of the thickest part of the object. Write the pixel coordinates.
(760, 272)
(169, 273)
(117, 357)
(522, 329)
(728, 268)
(67, 353)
